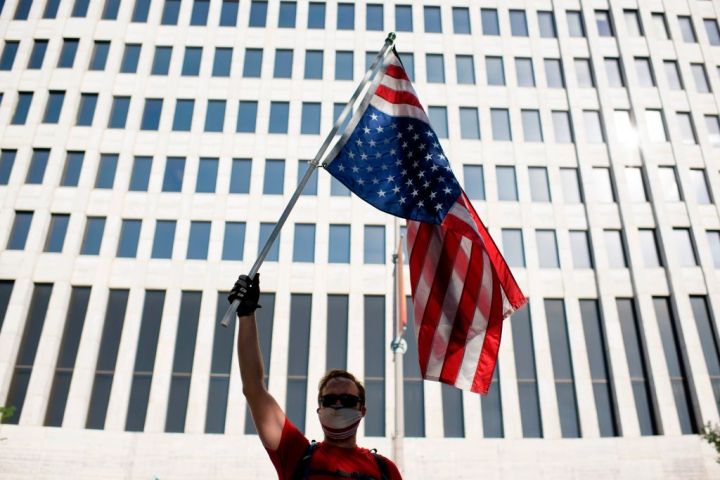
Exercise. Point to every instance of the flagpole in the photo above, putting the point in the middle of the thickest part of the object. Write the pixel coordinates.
(399, 346)
(371, 72)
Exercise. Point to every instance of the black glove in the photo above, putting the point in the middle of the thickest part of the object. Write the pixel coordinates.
(248, 293)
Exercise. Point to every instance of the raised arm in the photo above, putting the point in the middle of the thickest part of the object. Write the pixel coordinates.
(268, 416)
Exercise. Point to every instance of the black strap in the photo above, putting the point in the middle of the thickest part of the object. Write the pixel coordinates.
(303, 470)
(382, 465)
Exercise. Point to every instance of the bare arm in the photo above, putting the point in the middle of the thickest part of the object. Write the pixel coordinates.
(268, 416)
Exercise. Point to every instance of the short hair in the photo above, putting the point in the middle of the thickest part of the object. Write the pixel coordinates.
(336, 373)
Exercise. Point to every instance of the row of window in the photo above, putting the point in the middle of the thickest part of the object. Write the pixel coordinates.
(375, 18)
(336, 353)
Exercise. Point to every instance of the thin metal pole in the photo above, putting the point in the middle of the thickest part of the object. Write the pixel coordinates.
(398, 346)
(377, 63)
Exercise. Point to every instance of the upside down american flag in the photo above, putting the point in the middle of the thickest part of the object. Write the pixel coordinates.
(462, 288)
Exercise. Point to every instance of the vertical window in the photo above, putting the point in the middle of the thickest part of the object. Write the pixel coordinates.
(594, 132)
(713, 237)
(374, 17)
(274, 177)
(554, 73)
(346, 16)
(651, 254)
(439, 120)
(215, 116)
(614, 72)
(708, 340)
(532, 129)
(68, 51)
(374, 348)
(576, 26)
(580, 248)
(265, 329)
(247, 116)
(461, 20)
(604, 23)
(644, 72)
(712, 122)
(699, 185)
(86, 109)
(713, 33)
(56, 232)
(6, 287)
(7, 161)
(313, 64)
(615, 249)
(92, 238)
(164, 239)
(562, 368)
(604, 191)
(474, 182)
(702, 85)
(343, 65)
(374, 244)
(687, 128)
(491, 409)
(316, 15)
(489, 19)
(258, 13)
(37, 55)
(28, 348)
(671, 336)
(174, 172)
(38, 164)
(199, 14)
(337, 332)
(240, 175)
(562, 127)
(408, 61)
(539, 184)
(684, 247)
(265, 231)
(53, 108)
(500, 120)
(144, 360)
(547, 249)
(287, 14)
(234, 241)
(161, 61)
(469, 123)
(130, 58)
(687, 29)
(73, 167)
(279, 117)
(339, 244)
(191, 62)
(22, 107)
(465, 68)
(571, 185)
(118, 112)
(229, 13)
(151, 114)
(546, 22)
(506, 183)
(67, 355)
(7, 59)
(298, 357)
(668, 181)
(22, 10)
(513, 248)
(311, 185)
(673, 74)
(170, 13)
(522, 337)
(283, 63)
(304, 243)
(182, 120)
(632, 23)
(433, 23)
(452, 404)
(636, 184)
(207, 175)
(413, 391)
(98, 59)
(51, 8)
(222, 62)
(495, 70)
(403, 18)
(525, 72)
(198, 241)
(435, 68)
(661, 27)
(220, 365)
(140, 175)
(140, 11)
(129, 238)
(518, 23)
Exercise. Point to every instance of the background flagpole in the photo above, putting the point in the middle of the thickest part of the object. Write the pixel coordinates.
(377, 63)
(399, 346)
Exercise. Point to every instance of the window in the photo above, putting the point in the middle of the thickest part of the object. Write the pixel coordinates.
(298, 357)
(247, 116)
(161, 61)
(234, 241)
(6, 287)
(229, 13)
(712, 122)
(339, 244)
(151, 114)
(182, 121)
(532, 129)
(644, 72)
(337, 110)
(593, 127)
(346, 16)
(265, 231)
(433, 23)
(452, 405)
(465, 69)
(554, 74)
(571, 185)
(656, 126)
(547, 249)
(19, 231)
(68, 51)
(197, 248)
(337, 189)
(518, 23)
(506, 183)
(316, 15)
(604, 192)
(684, 247)
(403, 18)
(546, 23)
(86, 109)
(53, 107)
(99, 55)
(304, 243)
(474, 182)
(343, 65)
(92, 239)
(661, 27)
(278, 117)
(636, 184)
(22, 10)
(313, 64)
(129, 238)
(191, 62)
(539, 184)
(461, 20)
(274, 177)
(435, 68)
(337, 332)
(7, 59)
(7, 160)
(240, 175)
(164, 239)
(625, 129)
(174, 172)
(698, 183)
(141, 10)
(36, 56)
(713, 33)
(522, 337)
(513, 248)
(374, 17)
(525, 72)
(439, 120)
(604, 23)
(374, 363)
(580, 248)
(469, 123)
(118, 112)
(287, 14)
(130, 58)
(687, 29)
(170, 13)
(489, 19)
(708, 340)
(687, 128)
(140, 175)
(576, 26)
(22, 108)
(668, 181)
(500, 120)
(215, 116)
(283, 63)
(200, 10)
(222, 62)
(38, 165)
(73, 167)
(258, 13)
(651, 254)
(51, 8)
(702, 85)
(374, 251)
(311, 185)
(408, 60)
(253, 62)
(632, 23)
(615, 249)
(222, 353)
(614, 72)
(495, 70)
(673, 75)
(562, 126)
(207, 175)
(310, 122)
(713, 237)
(56, 232)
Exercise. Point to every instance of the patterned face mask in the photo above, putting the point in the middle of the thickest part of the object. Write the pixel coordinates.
(340, 423)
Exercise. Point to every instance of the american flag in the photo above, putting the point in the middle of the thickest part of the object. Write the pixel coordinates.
(461, 286)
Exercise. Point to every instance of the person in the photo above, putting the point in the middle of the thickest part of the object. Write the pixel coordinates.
(341, 407)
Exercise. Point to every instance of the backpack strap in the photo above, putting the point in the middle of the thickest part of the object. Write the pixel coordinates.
(382, 465)
(302, 470)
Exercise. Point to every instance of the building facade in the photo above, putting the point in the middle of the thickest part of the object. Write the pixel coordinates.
(148, 148)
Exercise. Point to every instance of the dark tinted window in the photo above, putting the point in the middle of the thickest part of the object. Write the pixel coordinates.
(22, 108)
(73, 167)
(86, 110)
(92, 239)
(118, 112)
(337, 331)
(37, 55)
(240, 175)
(207, 175)
(99, 55)
(247, 117)
(374, 348)
(287, 14)
(38, 165)
(140, 175)
(200, 11)
(229, 13)
(129, 237)
(526, 374)
(20, 229)
(198, 241)
(151, 114)
(191, 61)
(7, 161)
(174, 172)
(215, 116)
(56, 232)
(161, 61)
(182, 121)
(164, 239)
(234, 241)
(222, 62)
(258, 13)
(222, 353)
(67, 53)
(130, 58)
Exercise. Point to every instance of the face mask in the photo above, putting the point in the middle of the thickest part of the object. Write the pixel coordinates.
(341, 423)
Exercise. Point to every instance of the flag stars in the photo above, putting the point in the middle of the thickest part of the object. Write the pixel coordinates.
(396, 189)
(410, 128)
(363, 156)
(366, 130)
(355, 169)
(426, 184)
(379, 129)
(375, 181)
(415, 193)
(369, 168)
(341, 168)
(381, 193)
(447, 190)
(351, 154)
(428, 157)
(372, 143)
(438, 206)
(390, 178)
(433, 195)
(359, 142)
(415, 137)
(374, 116)
(378, 155)
(361, 181)
(402, 200)
(421, 203)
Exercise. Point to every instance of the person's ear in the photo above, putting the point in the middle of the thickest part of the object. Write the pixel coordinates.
(317, 410)
(363, 410)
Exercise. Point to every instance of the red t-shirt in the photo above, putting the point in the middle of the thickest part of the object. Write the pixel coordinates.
(293, 446)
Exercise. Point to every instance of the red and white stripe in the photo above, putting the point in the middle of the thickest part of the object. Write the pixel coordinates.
(395, 94)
